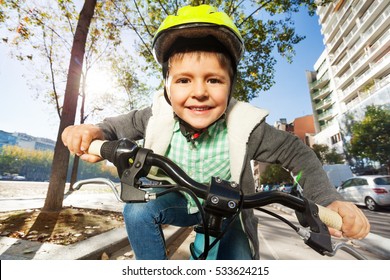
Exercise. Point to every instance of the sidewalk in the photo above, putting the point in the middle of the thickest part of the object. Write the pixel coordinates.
(91, 248)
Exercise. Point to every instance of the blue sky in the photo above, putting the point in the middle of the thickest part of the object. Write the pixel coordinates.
(288, 98)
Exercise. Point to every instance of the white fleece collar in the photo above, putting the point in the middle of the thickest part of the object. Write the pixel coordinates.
(242, 118)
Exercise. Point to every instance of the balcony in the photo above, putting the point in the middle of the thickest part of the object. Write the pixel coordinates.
(375, 70)
(362, 24)
(325, 116)
(321, 93)
(319, 83)
(362, 94)
(325, 125)
(324, 104)
(380, 45)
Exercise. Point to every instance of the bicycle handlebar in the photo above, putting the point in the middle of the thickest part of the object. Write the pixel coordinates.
(221, 198)
(110, 149)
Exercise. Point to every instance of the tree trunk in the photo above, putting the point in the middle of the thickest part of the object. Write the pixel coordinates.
(55, 193)
(76, 160)
(73, 176)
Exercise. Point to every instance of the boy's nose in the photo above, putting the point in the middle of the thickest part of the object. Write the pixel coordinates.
(200, 90)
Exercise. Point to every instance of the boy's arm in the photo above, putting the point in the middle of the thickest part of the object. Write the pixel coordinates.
(131, 125)
(276, 146)
(78, 137)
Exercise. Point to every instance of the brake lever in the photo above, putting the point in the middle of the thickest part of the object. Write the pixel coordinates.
(130, 191)
(319, 238)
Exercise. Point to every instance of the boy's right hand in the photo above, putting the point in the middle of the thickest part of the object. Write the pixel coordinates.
(78, 138)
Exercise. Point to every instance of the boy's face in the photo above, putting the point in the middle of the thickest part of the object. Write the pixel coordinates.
(198, 88)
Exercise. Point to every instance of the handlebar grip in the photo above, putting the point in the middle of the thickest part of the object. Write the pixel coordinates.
(95, 147)
(330, 218)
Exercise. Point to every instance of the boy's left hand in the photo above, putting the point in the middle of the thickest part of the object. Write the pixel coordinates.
(355, 224)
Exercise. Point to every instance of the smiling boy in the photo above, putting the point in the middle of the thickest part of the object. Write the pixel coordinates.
(196, 123)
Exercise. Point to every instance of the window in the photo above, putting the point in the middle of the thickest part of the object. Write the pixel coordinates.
(382, 181)
(361, 182)
(335, 138)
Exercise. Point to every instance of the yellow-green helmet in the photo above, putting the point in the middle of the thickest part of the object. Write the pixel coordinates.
(197, 22)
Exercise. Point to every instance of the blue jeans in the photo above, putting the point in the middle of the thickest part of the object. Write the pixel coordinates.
(143, 224)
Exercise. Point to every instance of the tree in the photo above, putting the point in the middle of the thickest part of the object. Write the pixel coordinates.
(267, 28)
(371, 136)
(55, 193)
(325, 156)
(275, 173)
(47, 31)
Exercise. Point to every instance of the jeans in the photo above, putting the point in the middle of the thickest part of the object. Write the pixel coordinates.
(143, 224)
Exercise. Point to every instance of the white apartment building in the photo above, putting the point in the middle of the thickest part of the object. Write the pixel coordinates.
(354, 69)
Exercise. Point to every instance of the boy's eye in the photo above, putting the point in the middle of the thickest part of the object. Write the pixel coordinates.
(214, 81)
(183, 81)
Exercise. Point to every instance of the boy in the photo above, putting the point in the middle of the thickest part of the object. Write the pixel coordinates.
(198, 125)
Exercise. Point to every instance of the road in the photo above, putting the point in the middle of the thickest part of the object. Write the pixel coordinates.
(379, 221)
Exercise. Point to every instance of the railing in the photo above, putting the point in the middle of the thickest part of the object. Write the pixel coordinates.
(320, 81)
(324, 103)
(384, 61)
(357, 30)
(321, 92)
(326, 114)
(383, 40)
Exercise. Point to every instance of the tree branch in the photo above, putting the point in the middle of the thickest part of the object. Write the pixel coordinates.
(135, 30)
(41, 22)
(49, 56)
(162, 7)
(255, 11)
(142, 18)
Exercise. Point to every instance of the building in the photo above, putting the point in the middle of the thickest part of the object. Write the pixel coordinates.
(302, 127)
(354, 69)
(25, 141)
(6, 139)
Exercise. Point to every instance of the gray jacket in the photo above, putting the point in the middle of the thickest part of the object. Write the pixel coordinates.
(250, 138)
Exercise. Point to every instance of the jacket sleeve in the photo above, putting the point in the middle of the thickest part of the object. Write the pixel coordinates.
(270, 145)
(131, 125)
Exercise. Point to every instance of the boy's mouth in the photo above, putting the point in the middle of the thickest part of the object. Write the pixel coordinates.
(199, 108)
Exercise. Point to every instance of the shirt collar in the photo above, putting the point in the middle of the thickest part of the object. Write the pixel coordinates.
(211, 131)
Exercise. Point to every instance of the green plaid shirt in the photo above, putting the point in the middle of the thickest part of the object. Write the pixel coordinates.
(208, 156)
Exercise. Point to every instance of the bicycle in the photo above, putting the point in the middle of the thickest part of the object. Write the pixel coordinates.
(222, 199)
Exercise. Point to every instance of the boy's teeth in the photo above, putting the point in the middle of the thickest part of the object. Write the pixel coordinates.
(199, 108)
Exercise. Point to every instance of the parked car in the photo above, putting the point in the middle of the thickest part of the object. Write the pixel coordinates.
(285, 188)
(373, 191)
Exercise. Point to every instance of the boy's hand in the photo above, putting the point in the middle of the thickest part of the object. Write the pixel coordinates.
(78, 138)
(355, 224)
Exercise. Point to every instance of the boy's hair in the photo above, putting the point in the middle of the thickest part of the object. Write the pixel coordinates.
(199, 46)
(222, 58)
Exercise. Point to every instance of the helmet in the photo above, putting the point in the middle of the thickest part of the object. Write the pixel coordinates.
(197, 22)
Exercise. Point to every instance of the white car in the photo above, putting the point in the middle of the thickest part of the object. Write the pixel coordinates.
(372, 191)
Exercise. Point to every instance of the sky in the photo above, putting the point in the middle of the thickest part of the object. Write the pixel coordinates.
(288, 98)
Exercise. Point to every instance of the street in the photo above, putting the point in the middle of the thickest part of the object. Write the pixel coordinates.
(379, 221)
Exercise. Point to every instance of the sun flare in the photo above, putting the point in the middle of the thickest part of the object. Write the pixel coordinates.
(99, 82)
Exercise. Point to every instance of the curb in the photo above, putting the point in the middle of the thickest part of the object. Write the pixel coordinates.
(89, 249)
